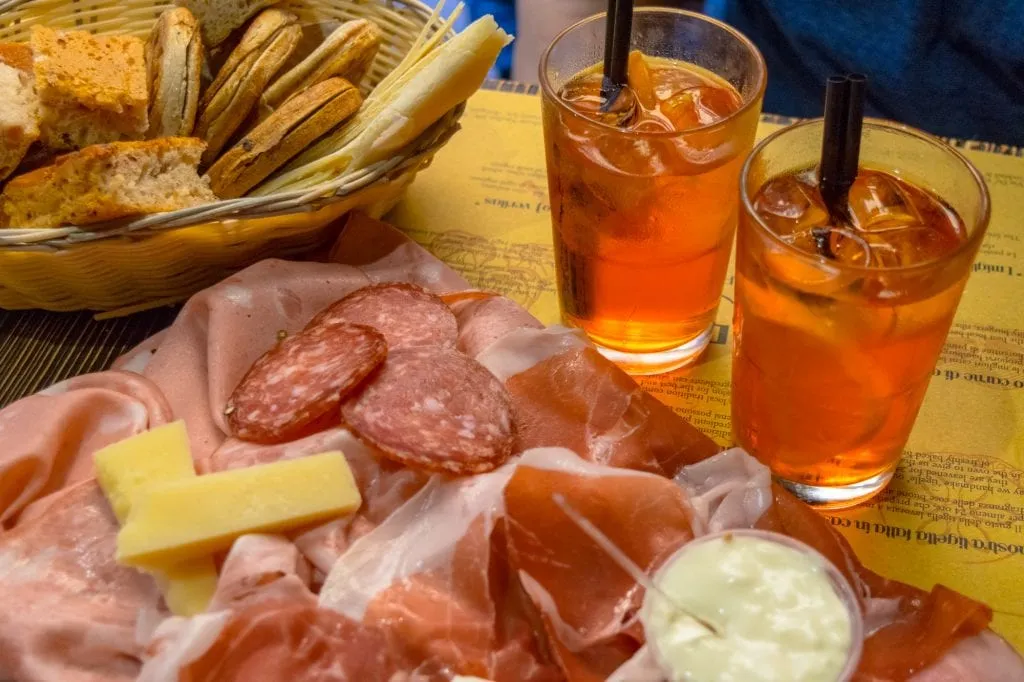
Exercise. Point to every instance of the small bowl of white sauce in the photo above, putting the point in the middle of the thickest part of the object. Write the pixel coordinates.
(752, 606)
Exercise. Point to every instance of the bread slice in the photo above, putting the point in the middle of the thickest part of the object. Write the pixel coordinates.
(347, 53)
(16, 55)
(298, 123)
(220, 17)
(93, 88)
(109, 181)
(263, 50)
(19, 117)
(174, 59)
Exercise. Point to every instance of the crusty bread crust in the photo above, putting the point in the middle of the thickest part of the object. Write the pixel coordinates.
(263, 50)
(174, 57)
(347, 53)
(92, 88)
(298, 123)
(219, 18)
(106, 182)
(16, 55)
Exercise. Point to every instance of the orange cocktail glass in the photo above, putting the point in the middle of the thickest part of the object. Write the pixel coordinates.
(644, 199)
(838, 327)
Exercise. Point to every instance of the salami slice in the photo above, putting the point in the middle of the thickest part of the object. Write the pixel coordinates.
(434, 409)
(405, 314)
(292, 390)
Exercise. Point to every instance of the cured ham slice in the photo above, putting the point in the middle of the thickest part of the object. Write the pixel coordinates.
(985, 658)
(262, 567)
(49, 438)
(386, 255)
(581, 401)
(177, 642)
(271, 641)
(422, 535)
(67, 610)
(588, 603)
(434, 577)
(729, 490)
(522, 348)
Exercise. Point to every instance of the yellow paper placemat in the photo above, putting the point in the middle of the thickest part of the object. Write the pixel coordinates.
(955, 512)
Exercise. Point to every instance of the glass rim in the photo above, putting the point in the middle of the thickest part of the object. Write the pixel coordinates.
(762, 72)
(973, 238)
(841, 585)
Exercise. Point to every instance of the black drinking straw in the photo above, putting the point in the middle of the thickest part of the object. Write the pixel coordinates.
(617, 37)
(840, 143)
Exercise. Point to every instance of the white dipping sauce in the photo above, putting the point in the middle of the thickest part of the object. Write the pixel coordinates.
(778, 616)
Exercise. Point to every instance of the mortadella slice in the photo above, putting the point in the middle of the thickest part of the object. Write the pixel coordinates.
(482, 321)
(67, 610)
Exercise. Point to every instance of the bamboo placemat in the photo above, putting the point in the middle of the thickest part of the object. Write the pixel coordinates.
(39, 348)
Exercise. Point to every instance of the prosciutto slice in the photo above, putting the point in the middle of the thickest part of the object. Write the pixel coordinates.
(581, 401)
(435, 577)
(270, 641)
(49, 438)
(67, 610)
(920, 628)
(589, 614)
(482, 321)
(260, 567)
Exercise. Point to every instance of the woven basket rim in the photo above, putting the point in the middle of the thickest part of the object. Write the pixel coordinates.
(409, 159)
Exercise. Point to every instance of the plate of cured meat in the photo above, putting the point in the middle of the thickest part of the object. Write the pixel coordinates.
(365, 470)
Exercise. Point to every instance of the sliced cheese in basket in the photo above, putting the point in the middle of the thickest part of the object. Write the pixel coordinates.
(185, 519)
(425, 44)
(156, 456)
(398, 111)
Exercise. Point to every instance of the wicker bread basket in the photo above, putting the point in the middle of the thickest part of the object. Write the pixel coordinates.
(166, 257)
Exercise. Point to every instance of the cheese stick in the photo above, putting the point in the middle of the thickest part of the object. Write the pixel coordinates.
(433, 86)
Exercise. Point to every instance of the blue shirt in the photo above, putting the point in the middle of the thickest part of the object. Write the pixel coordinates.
(953, 68)
(504, 12)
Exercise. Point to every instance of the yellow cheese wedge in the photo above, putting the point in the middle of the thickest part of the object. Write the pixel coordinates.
(156, 456)
(180, 520)
(189, 586)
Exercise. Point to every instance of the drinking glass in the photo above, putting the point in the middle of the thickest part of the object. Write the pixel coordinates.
(644, 220)
(831, 360)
